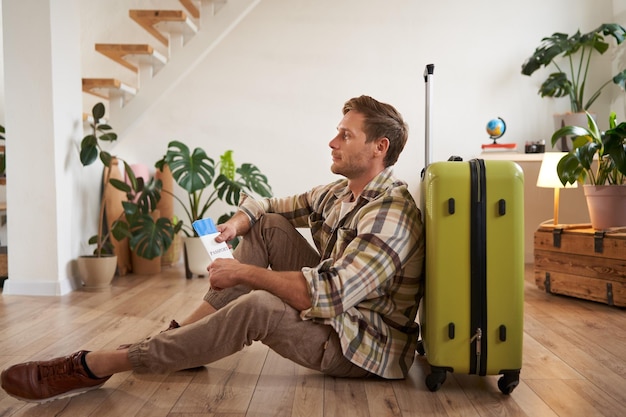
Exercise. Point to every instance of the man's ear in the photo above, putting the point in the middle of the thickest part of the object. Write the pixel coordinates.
(382, 145)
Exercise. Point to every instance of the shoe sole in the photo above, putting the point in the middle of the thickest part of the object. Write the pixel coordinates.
(67, 394)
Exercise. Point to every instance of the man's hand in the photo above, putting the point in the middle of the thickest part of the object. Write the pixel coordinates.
(227, 232)
(224, 273)
(238, 225)
(290, 286)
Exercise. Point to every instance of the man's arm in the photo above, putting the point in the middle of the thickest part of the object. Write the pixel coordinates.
(289, 286)
(238, 225)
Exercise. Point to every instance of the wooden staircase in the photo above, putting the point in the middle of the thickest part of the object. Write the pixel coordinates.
(188, 34)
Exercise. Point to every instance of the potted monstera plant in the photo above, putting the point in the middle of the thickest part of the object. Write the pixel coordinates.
(148, 236)
(571, 57)
(598, 162)
(206, 182)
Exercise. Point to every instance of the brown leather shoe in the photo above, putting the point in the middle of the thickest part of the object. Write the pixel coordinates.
(44, 381)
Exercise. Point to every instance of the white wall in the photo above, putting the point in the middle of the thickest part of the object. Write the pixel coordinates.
(273, 90)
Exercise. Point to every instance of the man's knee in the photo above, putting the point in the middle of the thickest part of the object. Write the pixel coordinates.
(273, 220)
(259, 312)
(267, 243)
(258, 303)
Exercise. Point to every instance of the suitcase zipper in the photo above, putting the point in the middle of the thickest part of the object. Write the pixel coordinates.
(478, 337)
(478, 301)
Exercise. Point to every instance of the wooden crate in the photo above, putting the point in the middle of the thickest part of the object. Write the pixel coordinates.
(582, 263)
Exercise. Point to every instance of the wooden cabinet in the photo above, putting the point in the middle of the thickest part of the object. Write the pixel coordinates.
(582, 262)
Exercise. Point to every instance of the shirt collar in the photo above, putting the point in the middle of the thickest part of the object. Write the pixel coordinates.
(379, 183)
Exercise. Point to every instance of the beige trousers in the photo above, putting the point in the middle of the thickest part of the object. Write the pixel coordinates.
(244, 316)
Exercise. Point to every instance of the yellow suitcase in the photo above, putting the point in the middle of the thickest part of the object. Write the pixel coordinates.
(472, 311)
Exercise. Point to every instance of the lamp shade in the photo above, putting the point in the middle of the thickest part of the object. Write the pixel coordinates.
(548, 177)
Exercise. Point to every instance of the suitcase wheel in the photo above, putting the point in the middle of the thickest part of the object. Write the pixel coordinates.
(508, 382)
(435, 380)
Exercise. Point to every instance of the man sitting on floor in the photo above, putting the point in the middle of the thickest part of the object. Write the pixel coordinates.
(346, 308)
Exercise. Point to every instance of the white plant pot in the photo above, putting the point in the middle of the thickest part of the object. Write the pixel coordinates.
(97, 273)
(196, 257)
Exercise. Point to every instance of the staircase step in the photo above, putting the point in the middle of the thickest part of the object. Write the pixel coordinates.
(191, 8)
(161, 22)
(132, 56)
(107, 88)
(206, 8)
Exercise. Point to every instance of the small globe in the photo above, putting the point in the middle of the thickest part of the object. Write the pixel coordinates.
(496, 128)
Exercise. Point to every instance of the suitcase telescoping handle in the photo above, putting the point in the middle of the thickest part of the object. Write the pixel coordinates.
(428, 151)
(428, 73)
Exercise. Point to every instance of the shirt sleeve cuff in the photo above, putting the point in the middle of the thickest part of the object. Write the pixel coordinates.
(311, 277)
(253, 208)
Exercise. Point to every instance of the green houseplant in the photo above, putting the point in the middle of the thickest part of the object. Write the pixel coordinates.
(572, 56)
(206, 182)
(589, 144)
(598, 162)
(148, 237)
(97, 270)
(90, 151)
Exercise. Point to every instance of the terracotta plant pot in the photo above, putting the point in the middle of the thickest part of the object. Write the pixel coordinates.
(607, 205)
(143, 266)
(97, 273)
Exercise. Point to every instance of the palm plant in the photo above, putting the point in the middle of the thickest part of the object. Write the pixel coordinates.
(577, 52)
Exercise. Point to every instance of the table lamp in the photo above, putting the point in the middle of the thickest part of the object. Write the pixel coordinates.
(548, 178)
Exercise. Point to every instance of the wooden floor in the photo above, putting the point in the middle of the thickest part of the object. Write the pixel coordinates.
(574, 363)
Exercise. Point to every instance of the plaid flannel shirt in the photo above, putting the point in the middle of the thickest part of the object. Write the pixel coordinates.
(368, 284)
